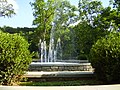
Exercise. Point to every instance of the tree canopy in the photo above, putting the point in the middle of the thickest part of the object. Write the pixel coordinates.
(6, 9)
(44, 14)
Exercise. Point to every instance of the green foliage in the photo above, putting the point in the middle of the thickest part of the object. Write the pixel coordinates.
(65, 16)
(64, 83)
(58, 14)
(95, 22)
(89, 9)
(86, 36)
(116, 4)
(14, 58)
(28, 33)
(11, 30)
(108, 19)
(87, 31)
(6, 9)
(82, 56)
(105, 58)
(44, 14)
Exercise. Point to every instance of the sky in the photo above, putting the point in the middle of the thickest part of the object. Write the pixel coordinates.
(24, 16)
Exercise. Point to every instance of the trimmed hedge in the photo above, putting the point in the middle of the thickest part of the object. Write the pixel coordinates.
(105, 58)
(14, 58)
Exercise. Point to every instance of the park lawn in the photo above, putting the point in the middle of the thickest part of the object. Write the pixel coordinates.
(63, 83)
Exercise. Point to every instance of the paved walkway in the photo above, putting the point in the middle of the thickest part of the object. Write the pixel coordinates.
(101, 87)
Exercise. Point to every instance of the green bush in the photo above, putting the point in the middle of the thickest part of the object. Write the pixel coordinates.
(14, 58)
(105, 58)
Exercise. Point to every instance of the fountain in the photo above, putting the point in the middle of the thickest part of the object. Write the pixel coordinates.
(51, 59)
(53, 53)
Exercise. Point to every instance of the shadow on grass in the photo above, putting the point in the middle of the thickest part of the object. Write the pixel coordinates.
(63, 83)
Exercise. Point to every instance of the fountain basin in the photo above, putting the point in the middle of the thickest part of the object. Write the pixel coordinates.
(59, 66)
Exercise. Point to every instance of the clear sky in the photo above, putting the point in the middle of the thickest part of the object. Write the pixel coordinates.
(24, 16)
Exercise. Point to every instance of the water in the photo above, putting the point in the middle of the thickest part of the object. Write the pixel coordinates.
(43, 51)
(54, 53)
(58, 50)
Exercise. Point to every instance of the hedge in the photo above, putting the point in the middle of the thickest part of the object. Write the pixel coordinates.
(14, 58)
(105, 58)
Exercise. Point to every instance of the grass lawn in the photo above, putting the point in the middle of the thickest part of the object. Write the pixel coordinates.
(63, 83)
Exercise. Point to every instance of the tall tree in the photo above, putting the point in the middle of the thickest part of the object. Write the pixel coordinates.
(89, 9)
(66, 14)
(109, 20)
(6, 9)
(88, 30)
(53, 13)
(43, 14)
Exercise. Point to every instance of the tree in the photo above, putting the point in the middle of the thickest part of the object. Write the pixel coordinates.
(6, 9)
(97, 22)
(116, 4)
(89, 9)
(87, 32)
(65, 15)
(84, 39)
(44, 14)
(108, 19)
(55, 14)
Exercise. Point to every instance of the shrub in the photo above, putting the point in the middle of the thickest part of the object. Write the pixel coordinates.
(14, 58)
(105, 58)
